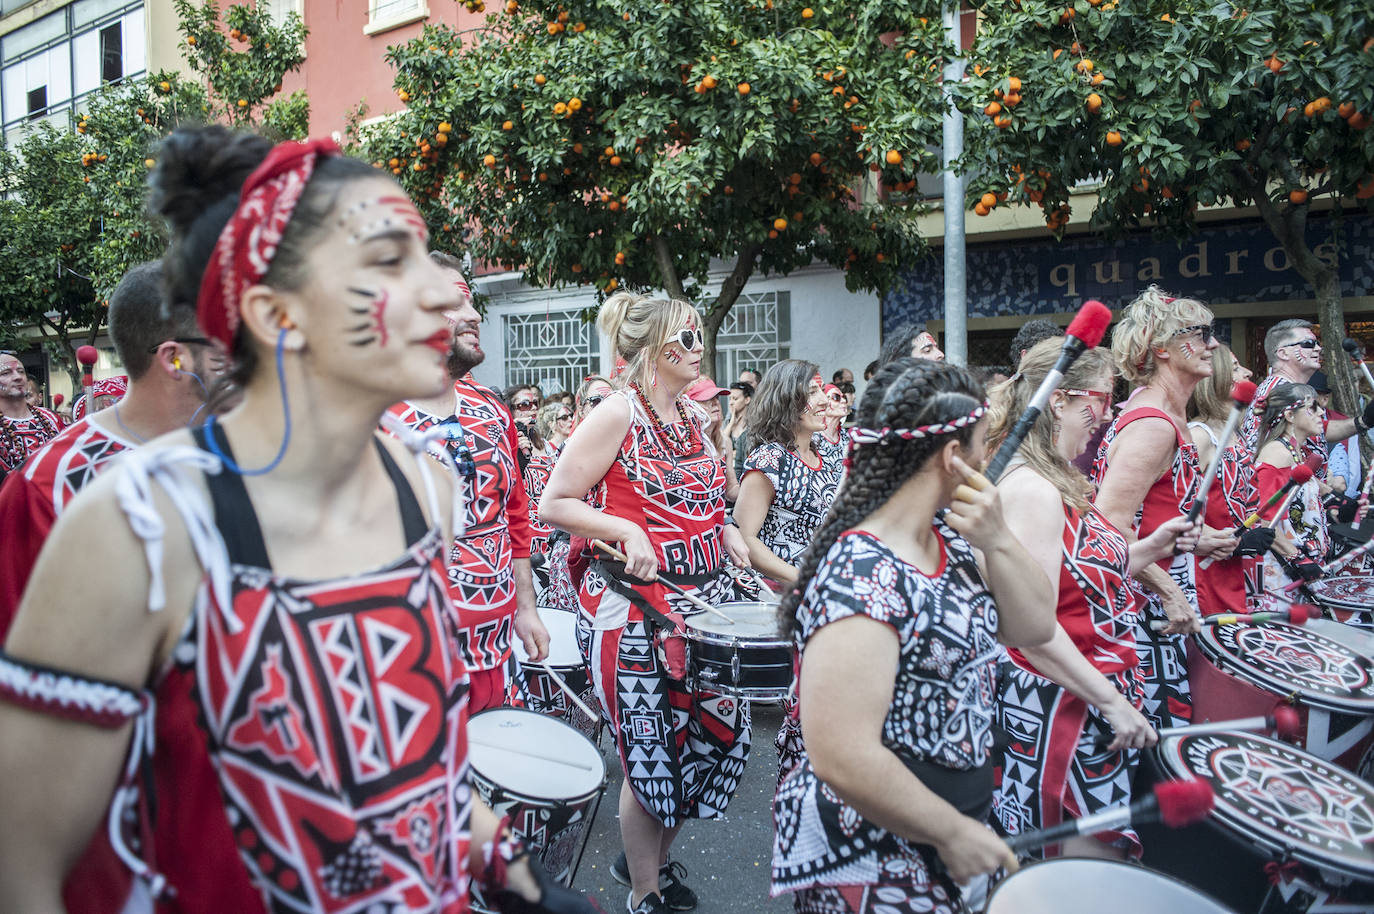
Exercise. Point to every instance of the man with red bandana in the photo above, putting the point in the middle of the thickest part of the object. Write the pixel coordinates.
(489, 573)
(23, 428)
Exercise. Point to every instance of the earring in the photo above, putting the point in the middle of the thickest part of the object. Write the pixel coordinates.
(1054, 431)
(653, 382)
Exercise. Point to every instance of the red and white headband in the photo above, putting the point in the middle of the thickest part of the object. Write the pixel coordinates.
(858, 436)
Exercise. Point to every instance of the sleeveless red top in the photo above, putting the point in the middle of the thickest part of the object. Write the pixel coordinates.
(1096, 604)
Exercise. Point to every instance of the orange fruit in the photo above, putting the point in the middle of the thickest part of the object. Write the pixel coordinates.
(1346, 109)
(1084, 66)
(989, 200)
(508, 125)
(1013, 99)
(615, 161)
(992, 109)
(1094, 102)
(893, 157)
(1274, 64)
(574, 104)
(191, 40)
(708, 81)
(1013, 84)
(540, 79)
(743, 88)
(403, 95)
(489, 160)
(772, 233)
(981, 210)
(808, 13)
(1113, 138)
(1066, 16)
(1002, 122)
(1297, 197)
(816, 158)
(780, 223)
(445, 127)
(1242, 145)
(1098, 79)
(1365, 188)
(620, 258)
(560, 109)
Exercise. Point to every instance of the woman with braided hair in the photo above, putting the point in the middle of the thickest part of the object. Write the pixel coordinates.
(1291, 415)
(1059, 698)
(901, 601)
(233, 641)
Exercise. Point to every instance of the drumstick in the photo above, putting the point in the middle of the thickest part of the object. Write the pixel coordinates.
(696, 601)
(1295, 614)
(1175, 803)
(1283, 509)
(525, 750)
(1334, 564)
(567, 690)
(1283, 720)
(1084, 332)
(1242, 392)
(1302, 473)
(758, 579)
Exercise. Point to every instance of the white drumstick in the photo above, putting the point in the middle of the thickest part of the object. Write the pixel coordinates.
(758, 579)
(522, 750)
(696, 601)
(567, 690)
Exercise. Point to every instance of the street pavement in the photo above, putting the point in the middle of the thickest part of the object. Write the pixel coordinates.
(727, 860)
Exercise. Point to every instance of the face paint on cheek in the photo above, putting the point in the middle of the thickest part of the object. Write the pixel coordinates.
(1187, 350)
(373, 330)
(671, 354)
(1088, 415)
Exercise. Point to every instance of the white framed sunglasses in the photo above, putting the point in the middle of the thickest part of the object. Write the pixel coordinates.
(689, 338)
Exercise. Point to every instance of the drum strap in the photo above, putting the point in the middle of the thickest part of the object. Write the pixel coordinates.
(618, 580)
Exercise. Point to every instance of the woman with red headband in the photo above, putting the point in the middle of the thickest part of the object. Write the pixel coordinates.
(271, 585)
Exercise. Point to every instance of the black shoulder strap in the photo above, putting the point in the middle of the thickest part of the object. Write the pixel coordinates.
(412, 518)
(234, 514)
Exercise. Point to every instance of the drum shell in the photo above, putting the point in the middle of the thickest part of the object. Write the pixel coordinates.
(1345, 738)
(537, 688)
(1348, 607)
(746, 667)
(552, 827)
(1082, 886)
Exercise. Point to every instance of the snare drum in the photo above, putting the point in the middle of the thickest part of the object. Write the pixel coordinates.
(543, 774)
(537, 688)
(1348, 597)
(1082, 886)
(749, 659)
(1242, 670)
(1314, 820)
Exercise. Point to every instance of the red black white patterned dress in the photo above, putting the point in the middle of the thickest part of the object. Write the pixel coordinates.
(497, 524)
(1249, 433)
(1163, 658)
(940, 718)
(1230, 585)
(537, 473)
(1051, 770)
(683, 753)
(21, 437)
(1304, 524)
(801, 496)
(31, 500)
(310, 746)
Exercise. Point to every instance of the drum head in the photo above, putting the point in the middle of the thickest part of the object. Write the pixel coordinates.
(562, 626)
(1286, 659)
(1281, 798)
(1359, 640)
(533, 756)
(1350, 591)
(1081, 886)
(754, 621)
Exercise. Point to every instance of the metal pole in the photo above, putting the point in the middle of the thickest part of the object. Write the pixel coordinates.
(956, 276)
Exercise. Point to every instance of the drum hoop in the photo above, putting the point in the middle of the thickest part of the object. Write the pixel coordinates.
(1340, 602)
(701, 636)
(1169, 756)
(1211, 648)
(1121, 864)
(591, 792)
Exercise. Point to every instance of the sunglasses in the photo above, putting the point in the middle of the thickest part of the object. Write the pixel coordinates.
(688, 338)
(593, 401)
(1104, 396)
(1303, 344)
(524, 404)
(185, 341)
(562, 417)
(1207, 332)
(836, 398)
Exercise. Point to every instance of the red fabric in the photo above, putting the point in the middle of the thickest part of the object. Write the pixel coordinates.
(1221, 586)
(246, 246)
(21, 438)
(486, 689)
(116, 387)
(1268, 480)
(1173, 493)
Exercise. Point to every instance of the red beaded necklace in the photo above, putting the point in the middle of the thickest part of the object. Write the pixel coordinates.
(684, 445)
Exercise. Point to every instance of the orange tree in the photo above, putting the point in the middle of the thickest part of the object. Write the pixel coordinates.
(243, 56)
(632, 145)
(73, 221)
(1176, 104)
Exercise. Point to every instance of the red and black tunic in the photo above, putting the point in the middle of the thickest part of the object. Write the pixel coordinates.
(21, 437)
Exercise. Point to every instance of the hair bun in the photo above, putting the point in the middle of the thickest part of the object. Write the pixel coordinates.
(199, 167)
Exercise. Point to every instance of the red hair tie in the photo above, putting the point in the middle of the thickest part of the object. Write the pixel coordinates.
(248, 243)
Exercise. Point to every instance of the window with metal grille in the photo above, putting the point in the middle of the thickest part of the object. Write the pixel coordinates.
(757, 333)
(554, 350)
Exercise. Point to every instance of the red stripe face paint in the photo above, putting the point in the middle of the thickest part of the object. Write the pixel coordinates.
(373, 329)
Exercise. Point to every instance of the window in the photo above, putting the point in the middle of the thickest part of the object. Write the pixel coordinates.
(554, 349)
(389, 14)
(38, 102)
(278, 10)
(756, 333)
(112, 53)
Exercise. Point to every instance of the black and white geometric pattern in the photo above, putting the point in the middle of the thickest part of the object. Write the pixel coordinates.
(801, 497)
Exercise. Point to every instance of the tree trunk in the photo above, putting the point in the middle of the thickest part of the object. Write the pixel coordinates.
(715, 315)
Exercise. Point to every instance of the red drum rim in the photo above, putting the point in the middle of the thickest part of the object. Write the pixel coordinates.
(1350, 605)
(1124, 877)
(1237, 650)
(1246, 771)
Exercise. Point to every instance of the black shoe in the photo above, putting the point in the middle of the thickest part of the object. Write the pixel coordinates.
(676, 895)
(649, 904)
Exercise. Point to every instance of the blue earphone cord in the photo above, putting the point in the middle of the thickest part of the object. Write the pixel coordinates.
(213, 445)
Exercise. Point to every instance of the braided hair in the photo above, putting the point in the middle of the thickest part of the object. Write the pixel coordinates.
(905, 393)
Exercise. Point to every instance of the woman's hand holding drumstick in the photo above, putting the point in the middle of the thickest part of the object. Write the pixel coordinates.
(696, 601)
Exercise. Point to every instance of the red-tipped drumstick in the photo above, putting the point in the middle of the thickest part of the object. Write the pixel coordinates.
(1334, 564)
(57, 400)
(1084, 332)
(87, 356)
(1242, 392)
(1301, 475)
(1283, 720)
(1175, 803)
(1295, 614)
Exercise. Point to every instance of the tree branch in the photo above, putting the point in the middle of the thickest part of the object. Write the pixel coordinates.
(734, 284)
(667, 270)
